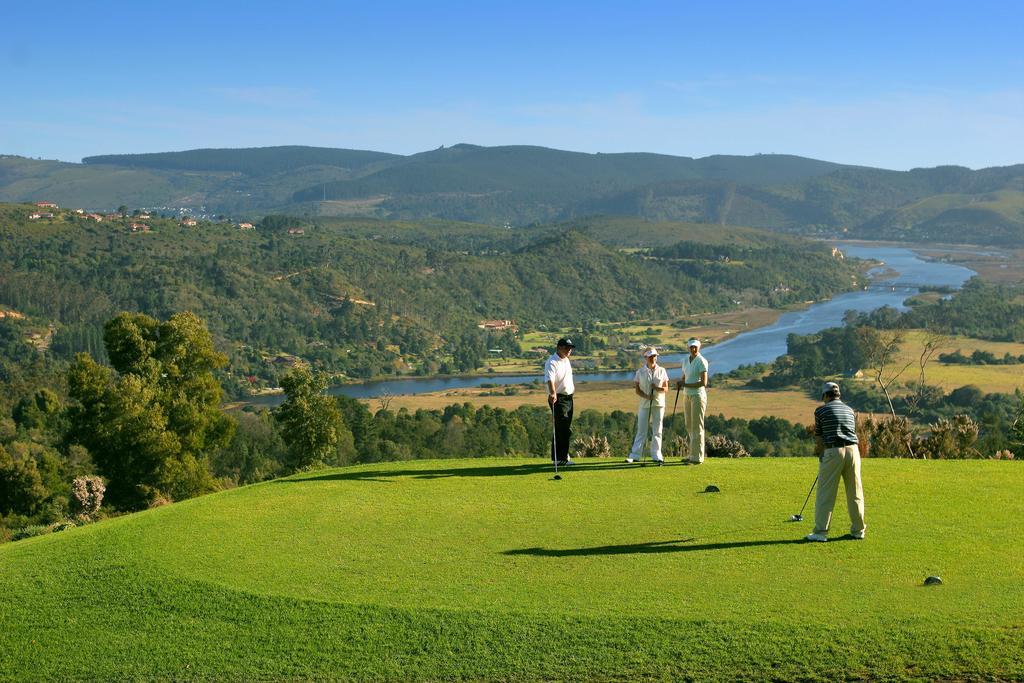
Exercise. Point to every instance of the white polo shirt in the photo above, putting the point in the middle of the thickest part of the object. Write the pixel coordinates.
(646, 377)
(691, 374)
(559, 371)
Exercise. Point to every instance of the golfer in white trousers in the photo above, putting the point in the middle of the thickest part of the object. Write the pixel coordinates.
(695, 400)
(651, 385)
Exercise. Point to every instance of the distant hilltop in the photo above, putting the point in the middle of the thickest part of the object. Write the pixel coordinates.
(521, 185)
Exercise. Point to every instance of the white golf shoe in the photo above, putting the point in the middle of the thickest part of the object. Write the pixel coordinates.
(815, 536)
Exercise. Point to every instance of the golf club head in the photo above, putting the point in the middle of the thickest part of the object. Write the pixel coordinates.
(796, 518)
(557, 477)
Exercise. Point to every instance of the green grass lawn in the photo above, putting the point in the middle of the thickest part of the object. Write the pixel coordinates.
(489, 569)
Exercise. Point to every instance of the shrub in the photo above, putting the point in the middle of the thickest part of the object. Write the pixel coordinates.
(87, 495)
(1002, 455)
(966, 397)
(591, 446)
(676, 447)
(951, 439)
(718, 446)
(885, 437)
(31, 531)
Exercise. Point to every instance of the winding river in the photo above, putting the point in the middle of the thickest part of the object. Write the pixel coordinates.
(901, 277)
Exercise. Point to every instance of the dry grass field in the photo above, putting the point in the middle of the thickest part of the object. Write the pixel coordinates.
(724, 398)
(991, 378)
(728, 397)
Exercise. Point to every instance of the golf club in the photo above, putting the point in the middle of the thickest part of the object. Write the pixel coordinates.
(799, 517)
(675, 404)
(647, 431)
(554, 443)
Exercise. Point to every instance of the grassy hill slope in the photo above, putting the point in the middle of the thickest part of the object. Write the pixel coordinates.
(487, 569)
(944, 217)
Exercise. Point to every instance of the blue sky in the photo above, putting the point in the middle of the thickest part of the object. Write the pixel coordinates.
(889, 84)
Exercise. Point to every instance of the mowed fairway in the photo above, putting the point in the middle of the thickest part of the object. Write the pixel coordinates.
(489, 569)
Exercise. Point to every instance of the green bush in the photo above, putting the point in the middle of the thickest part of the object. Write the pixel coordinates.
(31, 531)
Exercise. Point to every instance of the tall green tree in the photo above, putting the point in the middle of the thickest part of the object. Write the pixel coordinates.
(21, 487)
(150, 421)
(311, 423)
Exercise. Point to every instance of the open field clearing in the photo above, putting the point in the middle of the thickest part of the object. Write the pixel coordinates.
(990, 378)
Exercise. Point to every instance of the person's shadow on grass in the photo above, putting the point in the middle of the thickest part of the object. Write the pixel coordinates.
(680, 545)
(510, 470)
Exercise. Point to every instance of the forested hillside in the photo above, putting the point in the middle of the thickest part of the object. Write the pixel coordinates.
(523, 185)
(365, 297)
(258, 161)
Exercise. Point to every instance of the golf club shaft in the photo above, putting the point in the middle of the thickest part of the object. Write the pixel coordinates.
(675, 404)
(650, 424)
(813, 484)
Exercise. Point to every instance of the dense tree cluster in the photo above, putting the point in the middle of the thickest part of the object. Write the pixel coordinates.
(362, 298)
(980, 309)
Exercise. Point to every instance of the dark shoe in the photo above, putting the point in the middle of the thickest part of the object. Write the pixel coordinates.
(659, 463)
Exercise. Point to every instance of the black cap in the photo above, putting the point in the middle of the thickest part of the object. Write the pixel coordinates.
(565, 341)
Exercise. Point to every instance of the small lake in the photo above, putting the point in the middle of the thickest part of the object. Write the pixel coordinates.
(903, 274)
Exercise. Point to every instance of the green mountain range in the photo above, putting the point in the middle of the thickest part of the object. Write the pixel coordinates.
(521, 185)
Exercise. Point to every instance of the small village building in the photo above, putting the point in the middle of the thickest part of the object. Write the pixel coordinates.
(296, 231)
(138, 227)
(498, 325)
(47, 205)
(246, 226)
(189, 222)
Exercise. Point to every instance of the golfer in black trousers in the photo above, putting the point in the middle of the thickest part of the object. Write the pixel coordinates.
(558, 375)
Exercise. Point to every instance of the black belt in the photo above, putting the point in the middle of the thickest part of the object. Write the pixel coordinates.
(840, 443)
(565, 395)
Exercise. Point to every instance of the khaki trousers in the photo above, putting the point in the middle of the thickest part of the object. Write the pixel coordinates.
(835, 463)
(693, 414)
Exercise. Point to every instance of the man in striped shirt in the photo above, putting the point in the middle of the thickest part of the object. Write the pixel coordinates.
(836, 425)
